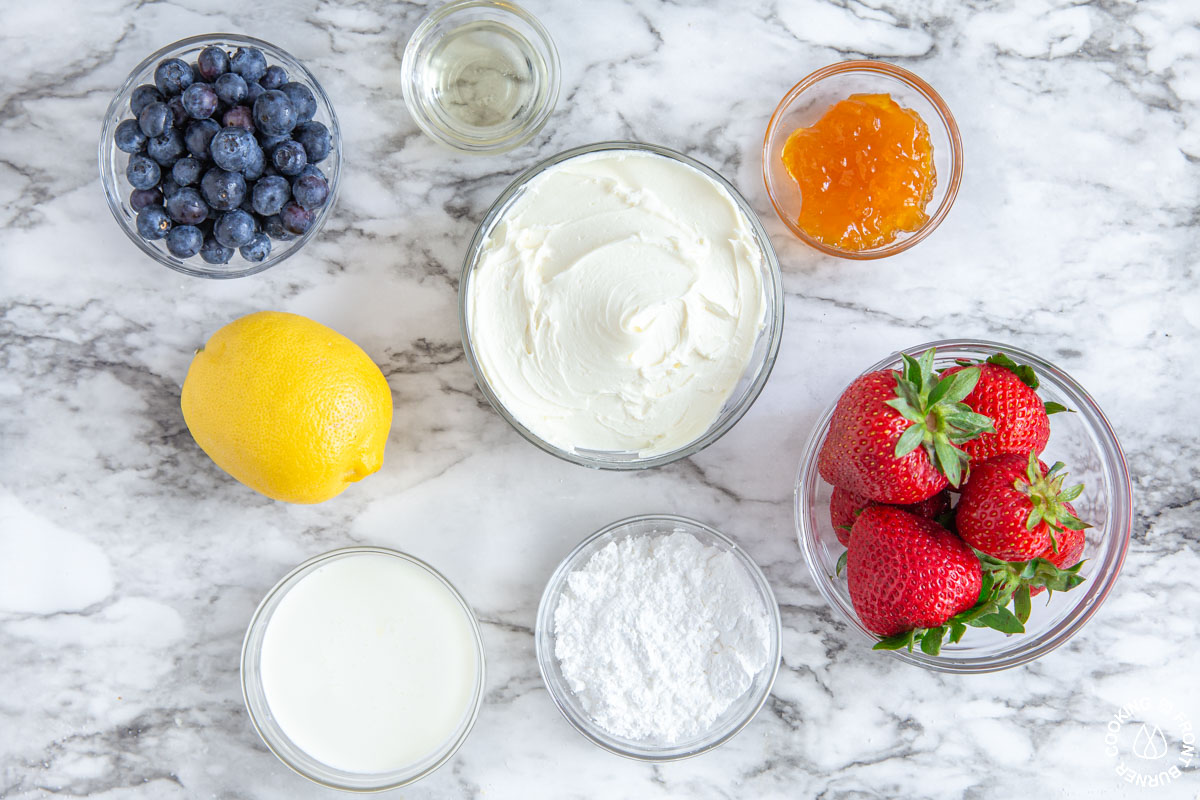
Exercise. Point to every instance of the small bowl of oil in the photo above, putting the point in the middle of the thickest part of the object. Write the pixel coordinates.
(480, 76)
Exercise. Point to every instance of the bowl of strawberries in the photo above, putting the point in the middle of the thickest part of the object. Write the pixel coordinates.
(964, 505)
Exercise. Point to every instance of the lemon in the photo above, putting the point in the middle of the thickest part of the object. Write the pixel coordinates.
(289, 407)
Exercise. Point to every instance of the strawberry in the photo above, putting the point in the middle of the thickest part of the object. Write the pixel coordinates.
(844, 508)
(1006, 393)
(893, 436)
(1070, 550)
(1012, 507)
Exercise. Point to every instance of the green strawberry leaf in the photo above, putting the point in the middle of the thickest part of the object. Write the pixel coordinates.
(900, 640)
(1003, 620)
(1022, 371)
(931, 642)
(1021, 603)
(948, 461)
(957, 629)
(1057, 408)
(840, 567)
(1070, 494)
(910, 440)
(957, 387)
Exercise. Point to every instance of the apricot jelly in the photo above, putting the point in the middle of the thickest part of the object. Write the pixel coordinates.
(865, 172)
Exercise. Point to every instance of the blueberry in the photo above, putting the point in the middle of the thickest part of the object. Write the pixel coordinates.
(184, 241)
(273, 113)
(255, 166)
(303, 102)
(234, 228)
(223, 190)
(269, 143)
(296, 218)
(274, 77)
(273, 227)
(140, 198)
(143, 96)
(289, 158)
(311, 170)
(269, 195)
(214, 252)
(166, 149)
(212, 63)
(310, 191)
(153, 222)
(172, 76)
(186, 206)
(129, 137)
(254, 90)
(142, 172)
(168, 186)
(230, 88)
(155, 118)
(231, 148)
(198, 136)
(239, 117)
(179, 116)
(257, 249)
(199, 101)
(316, 140)
(249, 62)
(187, 171)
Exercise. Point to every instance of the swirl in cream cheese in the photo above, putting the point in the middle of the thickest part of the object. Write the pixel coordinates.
(616, 303)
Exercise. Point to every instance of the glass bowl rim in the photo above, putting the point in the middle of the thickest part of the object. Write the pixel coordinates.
(463, 145)
(268, 731)
(913, 81)
(543, 629)
(115, 114)
(1112, 455)
(773, 320)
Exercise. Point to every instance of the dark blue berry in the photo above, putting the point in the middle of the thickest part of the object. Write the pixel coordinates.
(296, 218)
(269, 143)
(274, 77)
(230, 88)
(212, 63)
(312, 170)
(167, 148)
(249, 62)
(186, 206)
(257, 249)
(153, 222)
(310, 191)
(273, 113)
(199, 101)
(273, 227)
(269, 195)
(184, 241)
(142, 172)
(316, 140)
(179, 116)
(231, 148)
(234, 228)
(254, 90)
(155, 118)
(140, 198)
(303, 102)
(289, 158)
(223, 190)
(255, 166)
(129, 137)
(187, 171)
(239, 117)
(172, 76)
(214, 252)
(198, 136)
(143, 96)
(168, 186)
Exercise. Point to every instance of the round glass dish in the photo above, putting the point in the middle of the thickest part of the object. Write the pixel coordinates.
(736, 717)
(758, 368)
(1084, 441)
(808, 100)
(113, 161)
(480, 76)
(283, 747)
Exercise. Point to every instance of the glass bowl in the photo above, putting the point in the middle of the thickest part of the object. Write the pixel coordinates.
(808, 100)
(736, 717)
(451, 59)
(758, 369)
(1083, 440)
(284, 748)
(117, 187)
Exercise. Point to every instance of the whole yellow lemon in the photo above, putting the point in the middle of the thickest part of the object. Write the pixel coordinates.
(289, 407)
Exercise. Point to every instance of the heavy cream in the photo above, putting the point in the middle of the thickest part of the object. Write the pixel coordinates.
(616, 304)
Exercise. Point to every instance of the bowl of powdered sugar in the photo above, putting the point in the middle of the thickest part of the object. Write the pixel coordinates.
(658, 638)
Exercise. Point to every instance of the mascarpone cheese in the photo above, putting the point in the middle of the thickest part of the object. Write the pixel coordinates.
(616, 303)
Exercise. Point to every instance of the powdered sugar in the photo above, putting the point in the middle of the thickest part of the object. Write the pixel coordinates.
(657, 635)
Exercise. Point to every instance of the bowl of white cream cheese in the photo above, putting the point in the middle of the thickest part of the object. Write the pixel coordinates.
(621, 305)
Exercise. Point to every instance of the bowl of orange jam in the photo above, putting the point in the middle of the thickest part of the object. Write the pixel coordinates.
(862, 159)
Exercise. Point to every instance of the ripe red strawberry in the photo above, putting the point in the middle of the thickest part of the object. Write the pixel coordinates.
(907, 573)
(1005, 393)
(1070, 550)
(845, 506)
(1012, 507)
(894, 436)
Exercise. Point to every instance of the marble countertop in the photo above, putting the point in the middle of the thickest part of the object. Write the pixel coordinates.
(130, 564)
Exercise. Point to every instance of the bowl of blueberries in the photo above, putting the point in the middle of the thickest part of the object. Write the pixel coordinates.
(220, 156)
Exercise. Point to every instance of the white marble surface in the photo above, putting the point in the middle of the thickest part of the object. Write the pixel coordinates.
(129, 564)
